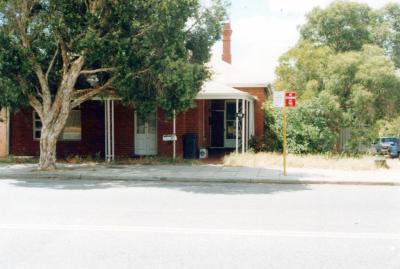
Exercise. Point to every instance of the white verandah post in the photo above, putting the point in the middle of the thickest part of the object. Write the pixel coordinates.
(109, 130)
(112, 131)
(106, 130)
(243, 126)
(247, 124)
(252, 131)
(174, 133)
(237, 126)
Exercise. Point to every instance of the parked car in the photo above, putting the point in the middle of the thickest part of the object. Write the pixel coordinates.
(388, 146)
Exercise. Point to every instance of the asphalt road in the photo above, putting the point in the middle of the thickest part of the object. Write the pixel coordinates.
(98, 224)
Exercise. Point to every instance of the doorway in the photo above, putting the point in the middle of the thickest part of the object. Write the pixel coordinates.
(146, 134)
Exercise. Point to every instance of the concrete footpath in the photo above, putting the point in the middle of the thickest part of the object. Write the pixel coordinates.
(202, 173)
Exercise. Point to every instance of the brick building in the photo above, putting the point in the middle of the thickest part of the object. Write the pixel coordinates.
(227, 113)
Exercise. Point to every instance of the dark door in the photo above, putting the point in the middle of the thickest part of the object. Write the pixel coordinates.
(217, 129)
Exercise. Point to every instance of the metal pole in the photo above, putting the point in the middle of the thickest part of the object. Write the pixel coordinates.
(109, 129)
(247, 124)
(243, 126)
(174, 133)
(105, 131)
(237, 126)
(284, 140)
(113, 131)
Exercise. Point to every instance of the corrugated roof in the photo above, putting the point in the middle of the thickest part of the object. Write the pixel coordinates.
(229, 75)
(216, 90)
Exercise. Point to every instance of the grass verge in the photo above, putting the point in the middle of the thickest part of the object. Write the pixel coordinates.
(332, 162)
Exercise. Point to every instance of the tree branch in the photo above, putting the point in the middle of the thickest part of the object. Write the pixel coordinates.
(100, 70)
(52, 63)
(86, 94)
(35, 103)
(44, 86)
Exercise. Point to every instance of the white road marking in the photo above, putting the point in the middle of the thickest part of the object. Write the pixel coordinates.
(198, 231)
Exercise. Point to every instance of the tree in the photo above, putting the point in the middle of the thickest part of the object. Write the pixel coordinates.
(347, 26)
(389, 127)
(310, 126)
(342, 26)
(365, 83)
(387, 31)
(56, 54)
(302, 69)
(349, 51)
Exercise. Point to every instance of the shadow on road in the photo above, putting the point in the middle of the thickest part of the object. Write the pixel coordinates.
(193, 187)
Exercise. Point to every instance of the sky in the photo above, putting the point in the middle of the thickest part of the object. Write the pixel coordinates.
(265, 29)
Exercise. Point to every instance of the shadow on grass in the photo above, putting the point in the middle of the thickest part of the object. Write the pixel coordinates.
(192, 187)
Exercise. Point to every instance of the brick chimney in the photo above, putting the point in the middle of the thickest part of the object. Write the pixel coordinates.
(226, 53)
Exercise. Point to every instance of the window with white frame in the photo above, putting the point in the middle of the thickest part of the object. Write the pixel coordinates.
(72, 130)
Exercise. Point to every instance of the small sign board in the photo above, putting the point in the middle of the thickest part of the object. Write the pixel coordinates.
(290, 99)
(279, 99)
(169, 137)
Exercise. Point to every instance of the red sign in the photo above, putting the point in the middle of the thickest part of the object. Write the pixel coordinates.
(290, 99)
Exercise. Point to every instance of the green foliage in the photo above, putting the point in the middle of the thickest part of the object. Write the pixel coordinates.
(157, 50)
(343, 26)
(386, 31)
(309, 126)
(301, 69)
(389, 127)
(348, 26)
(365, 83)
(343, 52)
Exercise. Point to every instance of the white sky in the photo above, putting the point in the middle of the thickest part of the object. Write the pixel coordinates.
(265, 29)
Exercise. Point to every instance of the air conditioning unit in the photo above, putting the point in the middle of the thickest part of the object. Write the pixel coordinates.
(203, 153)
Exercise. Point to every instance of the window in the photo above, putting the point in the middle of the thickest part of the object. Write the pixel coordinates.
(72, 130)
(230, 120)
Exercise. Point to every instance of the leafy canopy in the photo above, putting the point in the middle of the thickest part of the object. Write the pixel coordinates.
(149, 52)
(349, 52)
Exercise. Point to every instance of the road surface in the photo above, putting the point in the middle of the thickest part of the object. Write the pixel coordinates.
(99, 224)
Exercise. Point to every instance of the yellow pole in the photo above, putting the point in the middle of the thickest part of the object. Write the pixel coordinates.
(284, 140)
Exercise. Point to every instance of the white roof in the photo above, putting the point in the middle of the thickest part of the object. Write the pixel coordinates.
(227, 74)
(215, 90)
(224, 79)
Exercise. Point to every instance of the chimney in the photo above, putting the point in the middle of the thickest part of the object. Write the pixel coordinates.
(226, 54)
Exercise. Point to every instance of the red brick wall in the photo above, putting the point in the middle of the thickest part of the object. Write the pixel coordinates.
(195, 120)
(165, 148)
(124, 118)
(258, 111)
(93, 139)
(190, 121)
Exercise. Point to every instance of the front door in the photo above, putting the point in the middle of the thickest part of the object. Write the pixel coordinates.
(217, 129)
(146, 135)
(230, 124)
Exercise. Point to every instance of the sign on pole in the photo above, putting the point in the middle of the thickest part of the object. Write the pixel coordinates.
(279, 99)
(169, 137)
(289, 101)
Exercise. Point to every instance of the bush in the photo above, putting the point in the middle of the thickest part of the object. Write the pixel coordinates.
(312, 127)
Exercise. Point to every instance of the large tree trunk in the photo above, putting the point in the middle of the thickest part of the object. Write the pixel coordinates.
(48, 145)
(52, 126)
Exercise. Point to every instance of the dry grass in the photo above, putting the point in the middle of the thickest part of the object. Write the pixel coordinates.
(18, 160)
(150, 160)
(273, 160)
